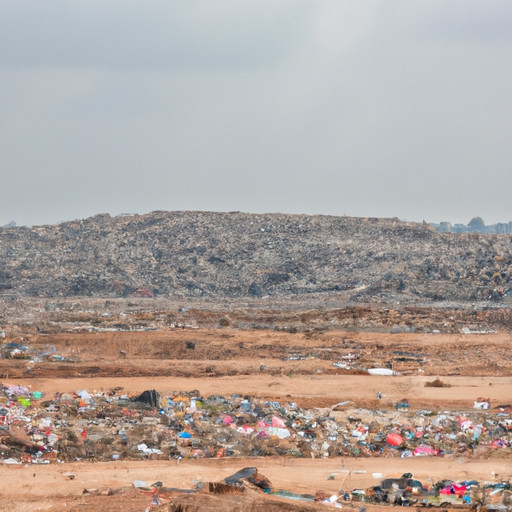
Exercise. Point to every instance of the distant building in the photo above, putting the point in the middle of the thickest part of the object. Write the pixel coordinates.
(503, 227)
(445, 227)
(476, 225)
(460, 228)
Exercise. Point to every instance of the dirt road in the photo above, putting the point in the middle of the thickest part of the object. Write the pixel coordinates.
(298, 475)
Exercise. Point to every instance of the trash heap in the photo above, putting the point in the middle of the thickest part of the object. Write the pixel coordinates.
(39, 354)
(112, 425)
(407, 491)
(247, 481)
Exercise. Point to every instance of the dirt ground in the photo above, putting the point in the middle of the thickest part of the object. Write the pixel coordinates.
(46, 486)
(297, 367)
(233, 352)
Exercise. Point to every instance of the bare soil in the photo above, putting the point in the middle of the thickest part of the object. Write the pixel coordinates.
(233, 352)
(50, 488)
(227, 361)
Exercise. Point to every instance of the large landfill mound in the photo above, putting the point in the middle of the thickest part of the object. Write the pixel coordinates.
(241, 256)
(159, 363)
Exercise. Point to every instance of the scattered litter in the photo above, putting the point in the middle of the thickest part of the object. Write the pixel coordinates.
(381, 371)
(482, 403)
(106, 426)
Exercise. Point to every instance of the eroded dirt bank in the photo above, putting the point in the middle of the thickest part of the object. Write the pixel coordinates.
(232, 352)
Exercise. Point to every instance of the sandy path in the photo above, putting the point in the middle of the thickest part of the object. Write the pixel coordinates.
(326, 389)
(300, 475)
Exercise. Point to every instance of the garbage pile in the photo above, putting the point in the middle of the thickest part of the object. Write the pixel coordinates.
(228, 248)
(110, 425)
(245, 481)
(37, 354)
(407, 491)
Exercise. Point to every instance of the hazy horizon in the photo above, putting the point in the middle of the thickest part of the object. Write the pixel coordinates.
(370, 109)
(127, 214)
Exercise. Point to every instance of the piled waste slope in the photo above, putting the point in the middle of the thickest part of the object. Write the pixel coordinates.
(236, 255)
(110, 425)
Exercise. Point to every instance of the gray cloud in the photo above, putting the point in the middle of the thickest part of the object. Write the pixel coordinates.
(367, 108)
(149, 34)
(474, 21)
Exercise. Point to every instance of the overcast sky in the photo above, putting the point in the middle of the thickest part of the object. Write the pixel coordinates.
(365, 108)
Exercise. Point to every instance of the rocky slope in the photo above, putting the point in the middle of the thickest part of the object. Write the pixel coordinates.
(238, 255)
